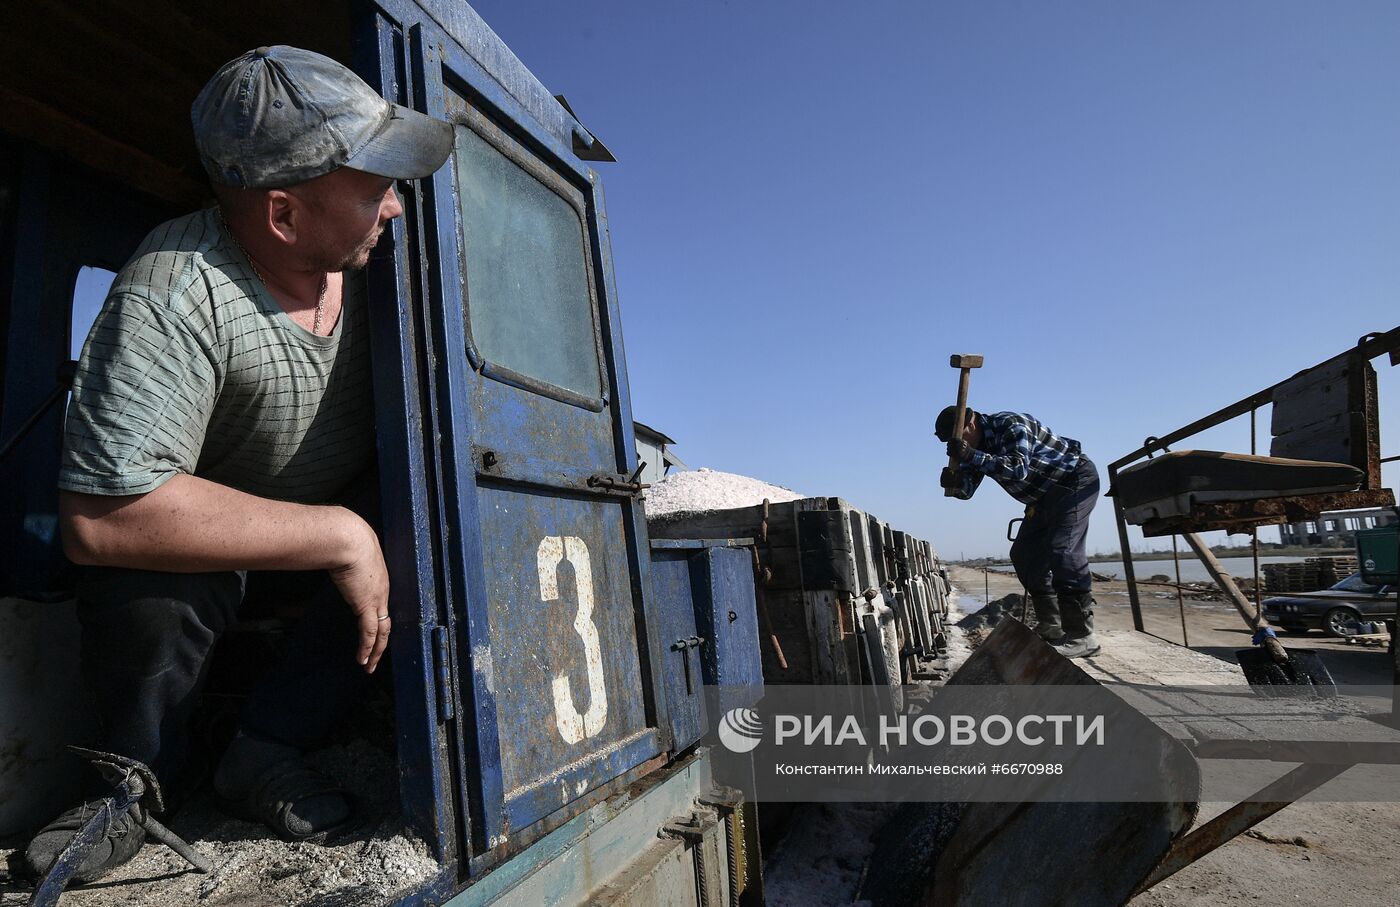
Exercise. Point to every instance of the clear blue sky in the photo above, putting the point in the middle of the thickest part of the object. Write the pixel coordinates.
(1137, 213)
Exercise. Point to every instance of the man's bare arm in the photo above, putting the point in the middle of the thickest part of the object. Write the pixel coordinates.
(191, 525)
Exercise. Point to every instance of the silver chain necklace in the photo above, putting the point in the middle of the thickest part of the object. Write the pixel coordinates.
(325, 279)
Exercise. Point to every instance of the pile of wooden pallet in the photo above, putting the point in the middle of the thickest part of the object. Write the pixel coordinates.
(1310, 575)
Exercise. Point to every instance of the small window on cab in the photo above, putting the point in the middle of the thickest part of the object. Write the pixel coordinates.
(89, 292)
(529, 284)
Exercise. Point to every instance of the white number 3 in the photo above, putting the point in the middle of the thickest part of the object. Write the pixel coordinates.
(553, 550)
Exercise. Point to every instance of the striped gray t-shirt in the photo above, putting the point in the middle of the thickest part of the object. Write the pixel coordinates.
(192, 367)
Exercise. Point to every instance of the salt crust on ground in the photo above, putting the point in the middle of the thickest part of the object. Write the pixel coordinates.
(710, 489)
(372, 864)
(958, 646)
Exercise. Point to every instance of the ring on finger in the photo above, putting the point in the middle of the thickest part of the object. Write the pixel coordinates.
(383, 617)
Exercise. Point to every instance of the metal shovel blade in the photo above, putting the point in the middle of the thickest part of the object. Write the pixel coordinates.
(1036, 854)
(1301, 672)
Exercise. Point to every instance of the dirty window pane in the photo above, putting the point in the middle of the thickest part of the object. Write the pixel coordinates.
(527, 285)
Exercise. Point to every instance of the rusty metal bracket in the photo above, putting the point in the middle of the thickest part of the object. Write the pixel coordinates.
(1240, 818)
(691, 828)
(762, 577)
(729, 803)
(721, 797)
(697, 830)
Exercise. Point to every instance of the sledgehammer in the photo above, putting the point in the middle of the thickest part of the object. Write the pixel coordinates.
(965, 363)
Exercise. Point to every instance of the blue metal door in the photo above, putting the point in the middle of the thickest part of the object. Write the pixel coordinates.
(543, 537)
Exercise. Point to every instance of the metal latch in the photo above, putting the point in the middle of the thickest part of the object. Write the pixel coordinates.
(612, 483)
(684, 645)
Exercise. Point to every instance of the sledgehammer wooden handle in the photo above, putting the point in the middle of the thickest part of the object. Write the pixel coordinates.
(965, 363)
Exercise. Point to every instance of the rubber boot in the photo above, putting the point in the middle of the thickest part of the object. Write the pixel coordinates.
(1047, 617)
(1077, 617)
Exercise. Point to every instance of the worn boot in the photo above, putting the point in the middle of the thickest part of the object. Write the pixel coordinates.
(122, 837)
(268, 782)
(1077, 617)
(1047, 617)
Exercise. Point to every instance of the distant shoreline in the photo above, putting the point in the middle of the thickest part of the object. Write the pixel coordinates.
(1219, 550)
(1233, 551)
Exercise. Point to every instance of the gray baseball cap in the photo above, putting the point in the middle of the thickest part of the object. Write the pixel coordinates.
(278, 116)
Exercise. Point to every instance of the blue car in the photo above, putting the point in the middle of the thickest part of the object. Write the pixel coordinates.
(1336, 611)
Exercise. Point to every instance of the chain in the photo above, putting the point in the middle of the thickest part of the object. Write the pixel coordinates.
(325, 281)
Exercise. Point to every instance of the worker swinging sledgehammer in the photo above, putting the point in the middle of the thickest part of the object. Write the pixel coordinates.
(1059, 486)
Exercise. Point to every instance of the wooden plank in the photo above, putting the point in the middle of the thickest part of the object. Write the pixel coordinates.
(787, 613)
(823, 619)
(1324, 392)
(1336, 439)
(1299, 418)
(742, 522)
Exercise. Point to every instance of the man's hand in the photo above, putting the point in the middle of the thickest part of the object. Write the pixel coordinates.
(949, 478)
(363, 582)
(192, 525)
(960, 450)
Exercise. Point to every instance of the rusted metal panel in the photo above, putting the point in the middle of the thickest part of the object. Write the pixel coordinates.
(727, 616)
(1239, 516)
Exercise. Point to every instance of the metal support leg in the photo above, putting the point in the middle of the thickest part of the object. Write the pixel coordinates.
(1128, 573)
(1240, 818)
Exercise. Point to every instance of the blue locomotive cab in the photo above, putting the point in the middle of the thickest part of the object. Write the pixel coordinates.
(546, 687)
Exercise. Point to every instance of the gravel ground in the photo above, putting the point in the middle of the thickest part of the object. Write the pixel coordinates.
(370, 863)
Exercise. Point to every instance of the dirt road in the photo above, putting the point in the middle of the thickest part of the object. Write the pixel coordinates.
(1339, 854)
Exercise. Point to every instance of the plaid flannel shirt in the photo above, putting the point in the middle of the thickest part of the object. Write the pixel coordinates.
(1022, 455)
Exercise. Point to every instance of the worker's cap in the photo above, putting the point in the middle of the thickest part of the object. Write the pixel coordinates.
(947, 419)
(278, 116)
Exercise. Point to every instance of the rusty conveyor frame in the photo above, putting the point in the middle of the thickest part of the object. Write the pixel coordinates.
(1308, 775)
(1247, 515)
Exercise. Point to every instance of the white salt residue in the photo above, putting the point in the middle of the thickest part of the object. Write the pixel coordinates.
(823, 858)
(710, 489)
(958, 649)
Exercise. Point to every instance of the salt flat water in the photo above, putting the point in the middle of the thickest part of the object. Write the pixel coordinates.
(1192, 570)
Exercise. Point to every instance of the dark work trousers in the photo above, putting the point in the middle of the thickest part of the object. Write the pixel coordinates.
(1048, 553)
(145, 648)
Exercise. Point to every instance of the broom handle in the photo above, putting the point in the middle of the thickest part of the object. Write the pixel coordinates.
(1252, 618)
